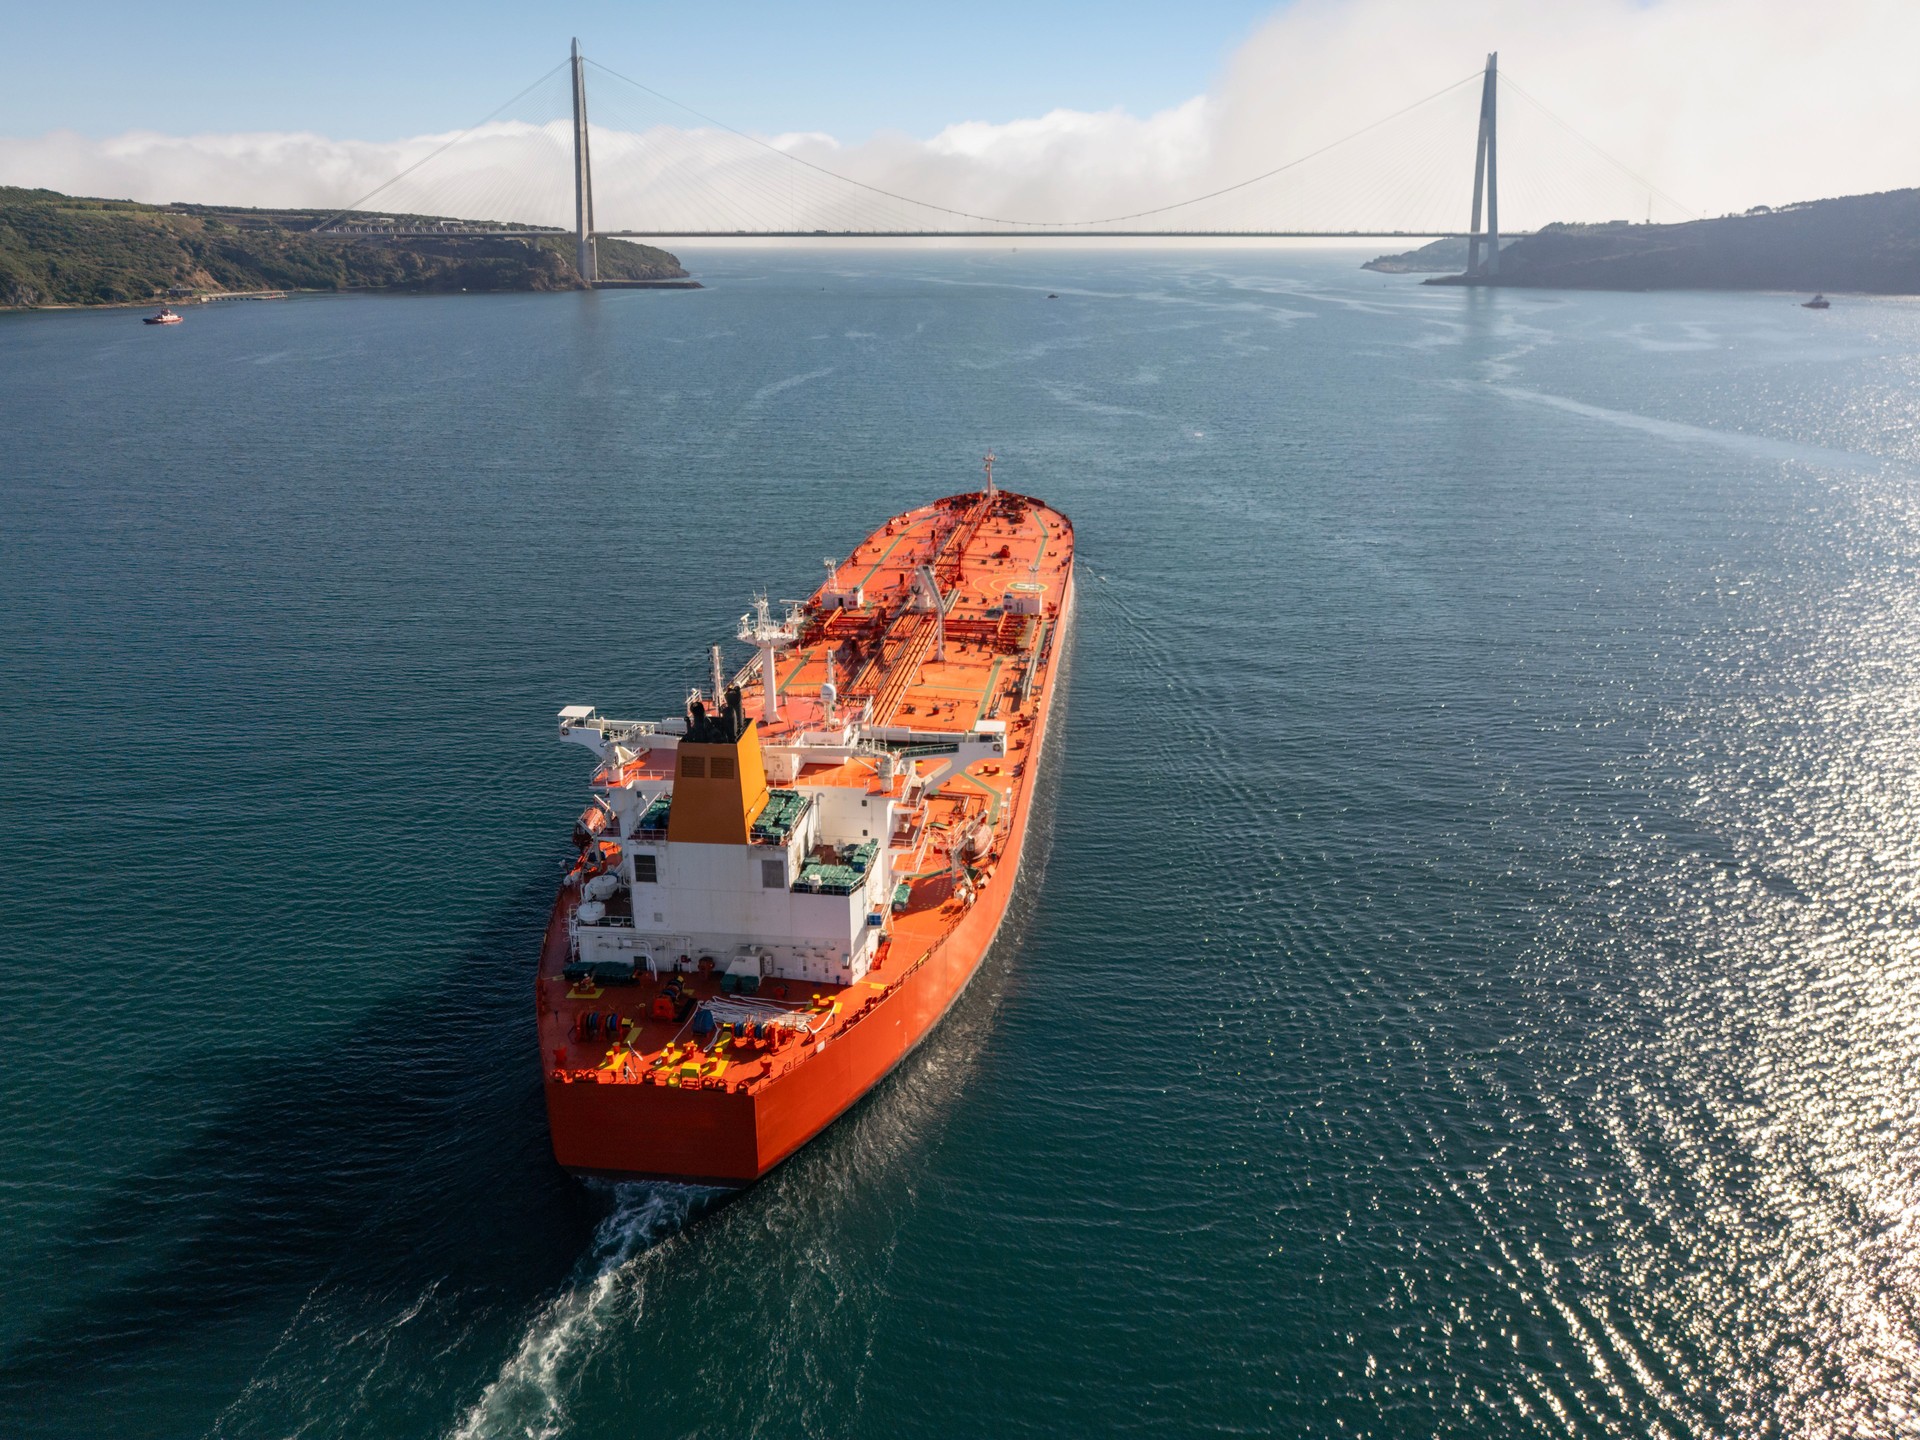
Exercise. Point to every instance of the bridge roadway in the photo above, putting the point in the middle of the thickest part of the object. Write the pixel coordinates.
(438, 232)
(478, 233)
(1043, 234)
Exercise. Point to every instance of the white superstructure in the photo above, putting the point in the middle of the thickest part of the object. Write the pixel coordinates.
(784, 862)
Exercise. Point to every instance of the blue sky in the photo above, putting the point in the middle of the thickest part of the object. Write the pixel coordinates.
(996, 106)
(359, 70)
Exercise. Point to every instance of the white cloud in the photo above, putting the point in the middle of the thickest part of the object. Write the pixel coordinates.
(1722, 103)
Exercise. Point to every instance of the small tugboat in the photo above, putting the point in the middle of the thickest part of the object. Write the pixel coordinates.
(165, 317)
(1818, 302)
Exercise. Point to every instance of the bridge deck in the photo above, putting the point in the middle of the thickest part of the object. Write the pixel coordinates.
(483, 233)
(1045, 234)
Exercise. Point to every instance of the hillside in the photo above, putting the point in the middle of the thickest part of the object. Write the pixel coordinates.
(1863, 243)
(1437, 258)
(60, 250)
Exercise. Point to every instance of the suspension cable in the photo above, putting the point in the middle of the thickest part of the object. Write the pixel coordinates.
(1036, 224)
(1621, 166)
(1027, 225)
(433, 154)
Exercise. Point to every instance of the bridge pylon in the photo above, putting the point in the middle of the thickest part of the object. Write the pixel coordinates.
(584, 257)
(1486, 178)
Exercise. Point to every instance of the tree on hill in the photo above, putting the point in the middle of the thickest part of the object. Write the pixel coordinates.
(61, 250)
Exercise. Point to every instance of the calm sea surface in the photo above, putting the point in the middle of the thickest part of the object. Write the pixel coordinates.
(1467, 975)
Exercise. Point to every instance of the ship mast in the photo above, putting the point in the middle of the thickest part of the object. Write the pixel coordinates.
(770, 636)
(991, 491)
(937, 603)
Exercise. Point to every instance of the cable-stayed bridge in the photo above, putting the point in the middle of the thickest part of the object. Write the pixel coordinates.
(647, 167)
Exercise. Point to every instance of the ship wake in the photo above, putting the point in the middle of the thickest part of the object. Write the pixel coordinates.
(530, 1395)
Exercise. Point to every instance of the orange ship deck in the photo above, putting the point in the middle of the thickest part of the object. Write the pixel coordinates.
(632, 1095)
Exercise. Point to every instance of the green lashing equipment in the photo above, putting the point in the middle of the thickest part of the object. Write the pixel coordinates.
(778, 816)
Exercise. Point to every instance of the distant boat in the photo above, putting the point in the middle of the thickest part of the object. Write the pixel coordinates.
(1818, 302)
(165, 317)
(1053, 297)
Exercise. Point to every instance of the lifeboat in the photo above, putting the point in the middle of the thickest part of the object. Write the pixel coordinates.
(592, 821)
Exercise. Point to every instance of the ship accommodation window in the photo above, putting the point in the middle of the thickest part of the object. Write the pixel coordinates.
(646, 869)
(722, 767)
(773, 874)
(693, 767)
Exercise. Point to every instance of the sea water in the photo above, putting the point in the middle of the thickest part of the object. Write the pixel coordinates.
(1464, 977)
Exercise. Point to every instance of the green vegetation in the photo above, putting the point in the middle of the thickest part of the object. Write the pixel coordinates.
(1869, 244)
(1437, 258)
(59, 250)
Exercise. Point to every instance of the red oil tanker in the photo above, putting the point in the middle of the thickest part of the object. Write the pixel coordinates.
(782, 892)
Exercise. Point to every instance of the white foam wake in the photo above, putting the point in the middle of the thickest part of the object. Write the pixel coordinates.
(528, 1398)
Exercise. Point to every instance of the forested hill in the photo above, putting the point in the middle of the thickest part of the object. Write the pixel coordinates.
(1864, 243)
(60, 250)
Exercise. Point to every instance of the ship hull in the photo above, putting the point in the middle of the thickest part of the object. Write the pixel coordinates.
(732, 1138)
